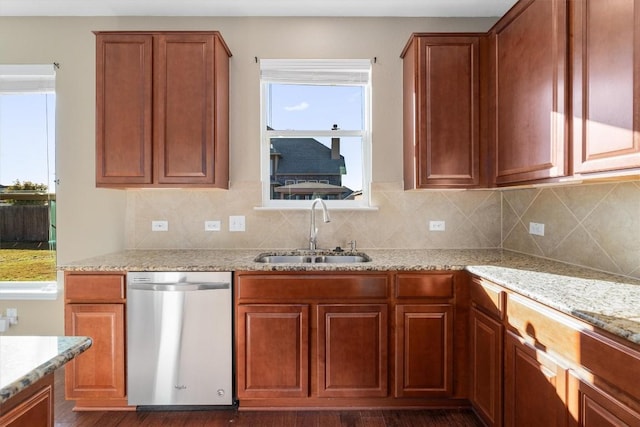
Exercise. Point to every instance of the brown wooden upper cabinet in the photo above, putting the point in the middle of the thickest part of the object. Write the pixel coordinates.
(606, 85)
(551, 91)
(441, 110)
(162, 109)
(530, 67)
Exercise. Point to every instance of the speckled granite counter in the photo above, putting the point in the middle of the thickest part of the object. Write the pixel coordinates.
(26, 359)
(244, 259)
(604, 300)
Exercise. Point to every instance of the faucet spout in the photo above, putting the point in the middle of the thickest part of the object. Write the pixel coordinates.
(313, 232)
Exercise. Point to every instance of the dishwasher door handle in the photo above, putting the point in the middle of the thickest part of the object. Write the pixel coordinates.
(179, 287)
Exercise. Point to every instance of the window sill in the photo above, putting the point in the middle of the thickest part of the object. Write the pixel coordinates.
(28, 291)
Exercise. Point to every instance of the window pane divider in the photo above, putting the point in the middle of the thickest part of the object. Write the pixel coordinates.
(312, 133)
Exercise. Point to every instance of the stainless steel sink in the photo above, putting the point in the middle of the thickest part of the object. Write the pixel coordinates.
(312, 258)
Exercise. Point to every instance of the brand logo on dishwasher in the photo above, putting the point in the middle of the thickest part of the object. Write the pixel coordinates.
(180, 387)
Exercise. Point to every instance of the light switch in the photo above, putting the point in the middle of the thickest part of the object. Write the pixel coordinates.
(236, 223)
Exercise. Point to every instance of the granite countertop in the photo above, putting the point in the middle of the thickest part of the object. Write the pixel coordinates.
(26, 359)
(604, 300)
(244, 260)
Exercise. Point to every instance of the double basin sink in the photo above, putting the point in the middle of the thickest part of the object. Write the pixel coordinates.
(313, 258)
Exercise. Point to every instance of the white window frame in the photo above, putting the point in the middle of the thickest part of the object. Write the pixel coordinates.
(315, 71)
(24, 79)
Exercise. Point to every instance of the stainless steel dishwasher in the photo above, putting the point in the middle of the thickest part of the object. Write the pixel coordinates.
(179, 339)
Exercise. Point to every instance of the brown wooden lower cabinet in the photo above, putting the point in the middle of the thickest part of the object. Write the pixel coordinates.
(339, 339)
(95, 307)
(352, 350)
(273, 350)
(535, 386)
(486, 367)
(557, 370)
(99, 372)
(591, 406)
(424, 350)
(31, 407)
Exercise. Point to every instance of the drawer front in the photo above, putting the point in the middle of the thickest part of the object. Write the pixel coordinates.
(311, 286)
(488, 297)
(424, 285)
(94, 287)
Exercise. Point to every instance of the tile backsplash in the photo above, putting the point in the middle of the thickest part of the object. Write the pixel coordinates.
(594, 225)
(400, 220)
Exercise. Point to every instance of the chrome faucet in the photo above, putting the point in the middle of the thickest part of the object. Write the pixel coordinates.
(313, 234)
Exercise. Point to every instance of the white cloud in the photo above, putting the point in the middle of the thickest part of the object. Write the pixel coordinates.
(302, 106)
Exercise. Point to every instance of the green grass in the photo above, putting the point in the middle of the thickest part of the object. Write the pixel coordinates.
(27, 265)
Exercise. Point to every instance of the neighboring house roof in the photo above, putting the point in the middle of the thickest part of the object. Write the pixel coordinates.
(305, 156)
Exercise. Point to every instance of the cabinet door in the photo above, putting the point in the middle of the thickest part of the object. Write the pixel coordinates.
(535, 386)
(486, 367)
(185, 107)
(606, 85)
(591, 406)
(100, 371)
(352, 350)
(424, 350)
(34, 410)
(123, 109)
(530, 92)
(272, 351)
(442, 128)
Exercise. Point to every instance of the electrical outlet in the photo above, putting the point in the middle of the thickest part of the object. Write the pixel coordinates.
(212, 226)
(12, 314)
(436, 225)
(236, 223)
(159, 225)
(536, 229)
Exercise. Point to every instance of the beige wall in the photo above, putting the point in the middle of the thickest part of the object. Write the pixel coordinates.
(36, 317)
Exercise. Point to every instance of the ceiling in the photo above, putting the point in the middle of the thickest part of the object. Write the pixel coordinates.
(369, 8)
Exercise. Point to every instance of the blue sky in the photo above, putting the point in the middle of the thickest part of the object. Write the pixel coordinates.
(23, 139)
(309, 107)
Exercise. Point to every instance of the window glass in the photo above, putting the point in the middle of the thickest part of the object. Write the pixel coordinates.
(315, 132)
(309, 107)
(307, 167)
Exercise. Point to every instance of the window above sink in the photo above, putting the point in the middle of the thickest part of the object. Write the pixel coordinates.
(315, 133)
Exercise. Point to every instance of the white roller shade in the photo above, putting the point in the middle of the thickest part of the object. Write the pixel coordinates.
(27, 78)
(316, 71)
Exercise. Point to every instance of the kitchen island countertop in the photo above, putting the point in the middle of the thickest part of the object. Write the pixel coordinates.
(26, 359)
(608, 301)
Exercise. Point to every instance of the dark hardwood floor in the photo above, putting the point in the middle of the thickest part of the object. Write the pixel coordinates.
(65, 417)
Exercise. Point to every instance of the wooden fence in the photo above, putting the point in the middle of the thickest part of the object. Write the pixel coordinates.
(24, 223)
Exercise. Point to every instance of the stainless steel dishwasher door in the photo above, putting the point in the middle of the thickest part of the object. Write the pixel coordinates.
(179, 345)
